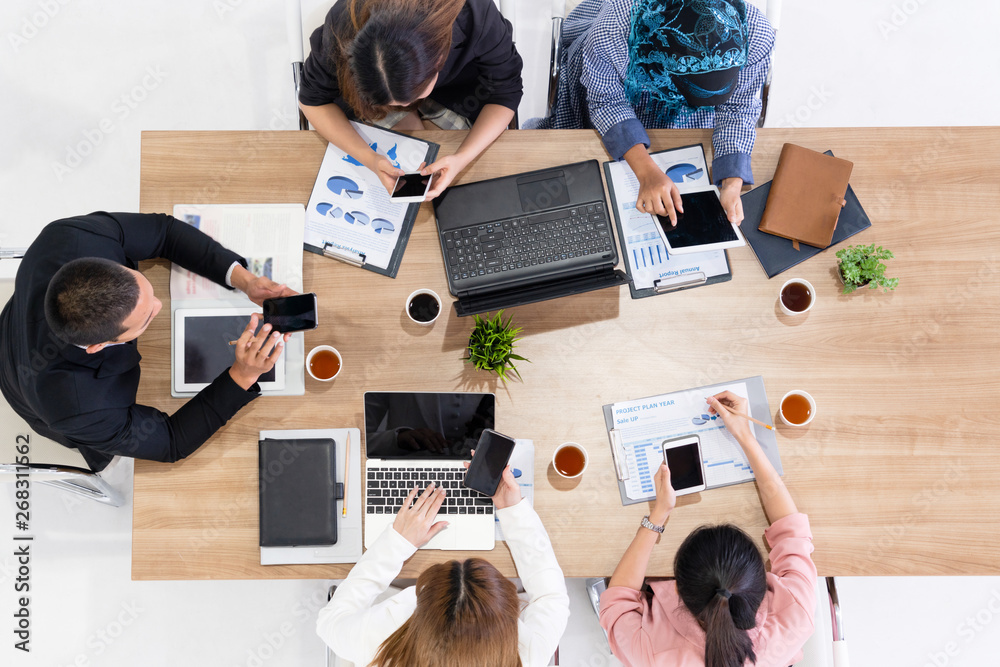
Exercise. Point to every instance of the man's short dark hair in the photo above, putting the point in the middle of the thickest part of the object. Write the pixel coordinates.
(88, 300)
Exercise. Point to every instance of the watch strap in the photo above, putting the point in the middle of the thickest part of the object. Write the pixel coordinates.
(646, 523)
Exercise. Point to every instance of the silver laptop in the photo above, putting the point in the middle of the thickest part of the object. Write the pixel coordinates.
(414, 438)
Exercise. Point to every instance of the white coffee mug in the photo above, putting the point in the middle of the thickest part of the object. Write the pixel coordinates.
(321, 348)
(417, 293)
(805, 395)
(812, 297)
(586, 459)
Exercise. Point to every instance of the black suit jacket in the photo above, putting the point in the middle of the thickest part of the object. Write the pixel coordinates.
(87, 401)
(482, 67)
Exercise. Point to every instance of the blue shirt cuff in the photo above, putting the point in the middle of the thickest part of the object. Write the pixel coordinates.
(732, 165)
(622, 136)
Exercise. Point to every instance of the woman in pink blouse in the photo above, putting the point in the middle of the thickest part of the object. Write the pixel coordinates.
(722, 609)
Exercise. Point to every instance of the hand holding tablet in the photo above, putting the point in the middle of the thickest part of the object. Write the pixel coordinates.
(702, 226)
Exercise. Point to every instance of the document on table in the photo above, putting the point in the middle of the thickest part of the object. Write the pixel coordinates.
(350, 209)
(268, 236)
(644, 250)
(645, 423)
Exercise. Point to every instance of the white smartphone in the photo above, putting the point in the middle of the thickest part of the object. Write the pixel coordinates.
(411, 188)
(687, 468)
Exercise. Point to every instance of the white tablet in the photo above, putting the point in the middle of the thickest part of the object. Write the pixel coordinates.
(202, 351)
(703, 225)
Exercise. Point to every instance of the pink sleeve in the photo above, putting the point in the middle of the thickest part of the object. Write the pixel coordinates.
(791, 545)
(622, 612)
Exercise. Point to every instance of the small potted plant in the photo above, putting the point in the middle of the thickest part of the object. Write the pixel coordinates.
(864, 265)
(491, 346)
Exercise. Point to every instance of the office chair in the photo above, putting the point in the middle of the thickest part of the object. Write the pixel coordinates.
(50, 463)
(560, 8)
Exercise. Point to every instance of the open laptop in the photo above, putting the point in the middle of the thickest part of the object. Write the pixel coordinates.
(413, 438)
(528, 237)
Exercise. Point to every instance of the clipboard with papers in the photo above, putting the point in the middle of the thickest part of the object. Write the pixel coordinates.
(647, 262)
(637, 429)
(350, 217)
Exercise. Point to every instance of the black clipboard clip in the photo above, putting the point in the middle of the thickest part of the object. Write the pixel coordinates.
(664, 285)
(343, 254)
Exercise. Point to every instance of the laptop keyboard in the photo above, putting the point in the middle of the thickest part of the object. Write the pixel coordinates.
(388, 487)
(526, 241)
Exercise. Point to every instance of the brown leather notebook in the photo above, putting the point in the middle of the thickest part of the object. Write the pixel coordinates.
(806, 196)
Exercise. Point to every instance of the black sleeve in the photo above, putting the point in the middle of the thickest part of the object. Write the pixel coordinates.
(156, 235)
(143, 432)
(319, 83)
(497, 59)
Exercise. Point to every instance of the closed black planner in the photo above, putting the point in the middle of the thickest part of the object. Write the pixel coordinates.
(298, 492)
(776, 254)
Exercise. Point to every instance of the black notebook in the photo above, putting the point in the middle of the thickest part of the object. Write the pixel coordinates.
(298, 492)
(775, 253)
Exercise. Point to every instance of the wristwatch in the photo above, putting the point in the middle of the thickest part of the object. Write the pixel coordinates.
(646, 523)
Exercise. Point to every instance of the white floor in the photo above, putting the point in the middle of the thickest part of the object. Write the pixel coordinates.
(80, 80)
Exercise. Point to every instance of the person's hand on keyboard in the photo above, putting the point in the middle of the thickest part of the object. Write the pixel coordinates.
(416, 522)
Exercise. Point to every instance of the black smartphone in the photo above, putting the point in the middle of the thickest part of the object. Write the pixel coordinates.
(486, 469)
(291, 313)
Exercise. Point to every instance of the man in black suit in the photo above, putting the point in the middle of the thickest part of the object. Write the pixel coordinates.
(69, 364)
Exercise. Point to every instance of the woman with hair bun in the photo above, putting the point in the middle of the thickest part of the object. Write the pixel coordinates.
(723, 609)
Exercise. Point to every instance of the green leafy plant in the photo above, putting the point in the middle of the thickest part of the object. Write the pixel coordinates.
(491, 346)
(863, 265)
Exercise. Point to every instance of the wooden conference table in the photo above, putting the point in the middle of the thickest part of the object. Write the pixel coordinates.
(898, 472)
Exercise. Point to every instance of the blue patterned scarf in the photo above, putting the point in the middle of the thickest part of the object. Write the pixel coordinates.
(678, 46)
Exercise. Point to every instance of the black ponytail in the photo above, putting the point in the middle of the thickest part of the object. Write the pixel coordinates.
(721, 579)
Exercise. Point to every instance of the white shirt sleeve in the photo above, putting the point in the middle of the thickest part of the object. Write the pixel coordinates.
(229, 273)
(350, 624)
(544, 619)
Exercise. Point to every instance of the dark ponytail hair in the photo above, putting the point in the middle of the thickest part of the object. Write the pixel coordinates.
(721, 580)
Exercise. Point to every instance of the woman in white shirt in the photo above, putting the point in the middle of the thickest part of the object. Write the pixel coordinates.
(460, 612)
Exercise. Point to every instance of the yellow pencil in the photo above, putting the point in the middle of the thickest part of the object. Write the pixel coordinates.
(347, 470)
(740, 414)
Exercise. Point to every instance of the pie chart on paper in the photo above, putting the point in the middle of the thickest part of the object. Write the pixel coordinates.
(382, 226)
(684, 172)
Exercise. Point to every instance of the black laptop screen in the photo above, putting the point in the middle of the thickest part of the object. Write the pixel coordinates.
(419, 425)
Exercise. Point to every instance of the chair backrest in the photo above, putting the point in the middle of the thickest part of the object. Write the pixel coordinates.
(14, 431)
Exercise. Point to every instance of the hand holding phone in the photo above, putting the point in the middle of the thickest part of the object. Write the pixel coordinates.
(292, 313)
(489, 460)
(411, 188)
(683, 457)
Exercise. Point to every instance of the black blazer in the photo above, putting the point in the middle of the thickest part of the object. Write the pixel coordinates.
(87, 401)
(483, 67)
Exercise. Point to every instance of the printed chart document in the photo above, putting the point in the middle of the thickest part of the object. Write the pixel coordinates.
(350, 209)
(644, 250)
(645, 423)
(269, 237)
